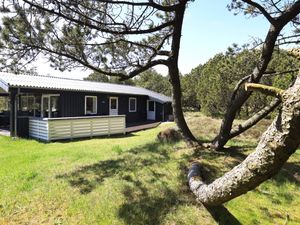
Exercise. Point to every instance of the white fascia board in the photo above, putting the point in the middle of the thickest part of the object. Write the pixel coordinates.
(3, 86)
(156, 100)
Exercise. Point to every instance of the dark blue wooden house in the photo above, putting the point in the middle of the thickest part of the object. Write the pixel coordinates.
(52, 108)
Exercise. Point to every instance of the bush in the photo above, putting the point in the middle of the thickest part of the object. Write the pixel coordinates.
(169, 135)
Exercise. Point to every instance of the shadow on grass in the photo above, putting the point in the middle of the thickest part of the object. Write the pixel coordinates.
(143, 204)
(88, 177)
(237, 152)
(141, 207)
(216, 163)
(289, 172)
(95, 138)
(222, 216)
(147, 183)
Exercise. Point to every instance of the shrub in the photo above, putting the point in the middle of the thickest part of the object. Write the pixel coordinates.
(169, 135)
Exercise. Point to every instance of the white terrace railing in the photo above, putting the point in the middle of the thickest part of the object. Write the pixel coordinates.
(50, 129)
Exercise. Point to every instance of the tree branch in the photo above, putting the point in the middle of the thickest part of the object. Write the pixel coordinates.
(261, 9)
(122, 76)
(149, 3)
(266, 74)
(289, 14)
(276, 145)
(254, 119)
(99, 28)
(265, 89)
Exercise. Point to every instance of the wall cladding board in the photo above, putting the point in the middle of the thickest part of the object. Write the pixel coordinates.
(158, 111)
(103, 104)
(69, 128)
(72, 104)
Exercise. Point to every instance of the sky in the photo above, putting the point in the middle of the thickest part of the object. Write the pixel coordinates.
(208, 28)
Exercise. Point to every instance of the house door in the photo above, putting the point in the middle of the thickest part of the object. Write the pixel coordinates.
(49, 106)
(150, 110)
(113, 106)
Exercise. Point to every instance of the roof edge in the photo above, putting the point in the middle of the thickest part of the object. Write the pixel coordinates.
(4, 86)
(15, 82)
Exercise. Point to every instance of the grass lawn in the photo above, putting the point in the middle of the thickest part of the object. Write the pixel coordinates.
(133, 180)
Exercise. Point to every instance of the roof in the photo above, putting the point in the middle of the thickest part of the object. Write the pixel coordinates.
(10, 80)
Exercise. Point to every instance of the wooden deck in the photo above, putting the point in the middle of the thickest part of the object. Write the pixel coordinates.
(130, 127)
(52, 129)
(141, 126)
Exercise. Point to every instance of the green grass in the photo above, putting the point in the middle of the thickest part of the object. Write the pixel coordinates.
(131, 180)
(118, 180)
(276, 201)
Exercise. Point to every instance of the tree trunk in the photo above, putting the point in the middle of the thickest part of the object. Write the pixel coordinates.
(277, 144)
(177, 107)
(175, 79)
(239, 98)
(254, 119)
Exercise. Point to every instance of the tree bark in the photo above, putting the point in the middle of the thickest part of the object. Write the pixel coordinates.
(277, 144)
(177, 108)
(241, 97)
(254, 119)
(175, 77)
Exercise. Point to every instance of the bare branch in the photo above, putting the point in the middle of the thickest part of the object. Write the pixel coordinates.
(265, 89)
(255, 118)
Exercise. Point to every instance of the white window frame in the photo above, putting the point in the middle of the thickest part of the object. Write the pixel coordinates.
(135, 105)
(96, 104)
(27, 99)
(49, 103)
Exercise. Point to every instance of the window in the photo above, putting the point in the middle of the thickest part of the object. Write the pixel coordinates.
(27, 103)
(90, 104)
(4, 104)
(151, 106)
(37, 106)
(132, 104)
(50, 106)
(54, 105)
(113, 103)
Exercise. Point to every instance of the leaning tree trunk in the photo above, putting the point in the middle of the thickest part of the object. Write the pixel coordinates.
(277, 144)
(175, 79)
(177, 107)
(242, 96)
(277, 24)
